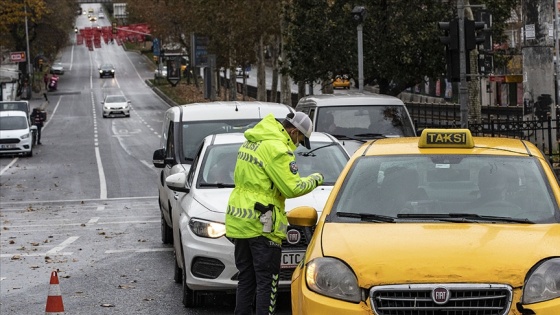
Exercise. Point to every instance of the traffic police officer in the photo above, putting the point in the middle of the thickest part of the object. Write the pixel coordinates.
(265, 175)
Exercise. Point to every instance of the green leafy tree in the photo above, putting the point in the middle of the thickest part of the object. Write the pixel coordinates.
(49, 23)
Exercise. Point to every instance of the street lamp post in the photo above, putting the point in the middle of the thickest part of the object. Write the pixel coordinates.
(360, 59)
(30, 82)
(359, 14)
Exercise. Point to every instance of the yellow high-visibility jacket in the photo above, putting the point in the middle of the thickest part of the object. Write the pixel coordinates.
(265, 172)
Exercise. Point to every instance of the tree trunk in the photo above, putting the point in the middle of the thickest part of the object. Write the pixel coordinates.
(285, 86)
(475, 110)
(261, 72)
(274, 56)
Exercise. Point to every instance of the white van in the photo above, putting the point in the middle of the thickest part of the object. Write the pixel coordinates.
(16, 133)
(184, 128)
(355, 118)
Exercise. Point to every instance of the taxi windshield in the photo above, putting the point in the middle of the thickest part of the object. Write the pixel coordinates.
(430, 187)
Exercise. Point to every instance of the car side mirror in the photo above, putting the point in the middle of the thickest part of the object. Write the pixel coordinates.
(177, 182)
(102, 102)
(303, 216)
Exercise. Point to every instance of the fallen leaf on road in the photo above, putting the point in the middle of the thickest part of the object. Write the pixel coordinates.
(125, 286)
(16, 257)
(34, 267)
(107, 305)
(34, 244)
(12, 242)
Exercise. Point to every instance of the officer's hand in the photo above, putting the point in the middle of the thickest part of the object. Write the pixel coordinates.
(318, 177)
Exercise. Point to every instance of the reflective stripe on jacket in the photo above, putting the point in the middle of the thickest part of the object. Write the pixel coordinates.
(265, 172)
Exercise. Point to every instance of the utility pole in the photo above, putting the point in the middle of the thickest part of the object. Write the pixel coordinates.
(463, 88)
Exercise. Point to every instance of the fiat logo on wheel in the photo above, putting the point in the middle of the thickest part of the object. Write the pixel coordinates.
(293, 236)
(440, 295)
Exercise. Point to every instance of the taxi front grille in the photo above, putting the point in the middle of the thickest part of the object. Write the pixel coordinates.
(441, 299)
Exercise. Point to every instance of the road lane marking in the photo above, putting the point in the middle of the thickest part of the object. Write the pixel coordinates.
(93, 220)
(63, 245)
(34, 254)
(141, 250)
(75, 200)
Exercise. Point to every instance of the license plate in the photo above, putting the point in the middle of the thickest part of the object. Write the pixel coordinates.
(7, 146)
(291, 259)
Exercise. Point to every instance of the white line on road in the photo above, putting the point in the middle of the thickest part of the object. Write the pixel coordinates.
(141, 250)
(34, 254)
(76, 200)
(62, 245)
(93, 220)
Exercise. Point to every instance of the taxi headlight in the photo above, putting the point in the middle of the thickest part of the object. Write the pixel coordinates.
(333, 278)
(207, 229)
(543, 283)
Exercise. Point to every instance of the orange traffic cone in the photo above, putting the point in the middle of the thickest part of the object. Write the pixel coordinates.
(54, 300)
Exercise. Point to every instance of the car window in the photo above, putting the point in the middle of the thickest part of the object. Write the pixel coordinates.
(13, 123)
(192, 133)
(324, 157)
(351, 121)
(115, 99)
(443, 184)
(13, 106)
(219, 164)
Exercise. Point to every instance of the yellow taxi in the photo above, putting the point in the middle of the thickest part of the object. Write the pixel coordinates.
(341, 81)
(445, 223)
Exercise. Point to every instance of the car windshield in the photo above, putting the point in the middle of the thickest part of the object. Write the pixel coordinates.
(447, 187)
(13, 106)
(115, 99)
(364, 121)
(324, 157)
(13, 123)
(106, 67)
(194, 132)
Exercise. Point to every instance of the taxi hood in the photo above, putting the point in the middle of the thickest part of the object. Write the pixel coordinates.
(425, 253)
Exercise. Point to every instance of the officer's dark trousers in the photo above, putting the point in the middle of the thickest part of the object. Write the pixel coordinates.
(258, 262)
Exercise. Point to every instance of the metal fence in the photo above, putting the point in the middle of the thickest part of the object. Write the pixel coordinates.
(505, 122)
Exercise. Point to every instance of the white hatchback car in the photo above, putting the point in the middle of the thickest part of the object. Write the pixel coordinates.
(16, 134)
(114, 105)
(204, 255)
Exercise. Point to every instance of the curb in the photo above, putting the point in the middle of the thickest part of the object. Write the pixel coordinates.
(162, 95)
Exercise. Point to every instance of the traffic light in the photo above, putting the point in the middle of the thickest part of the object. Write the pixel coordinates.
(451, 42)
(473, 34)
(451, 38)
(115, 28)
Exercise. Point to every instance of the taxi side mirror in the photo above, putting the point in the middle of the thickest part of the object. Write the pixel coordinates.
(303, 216)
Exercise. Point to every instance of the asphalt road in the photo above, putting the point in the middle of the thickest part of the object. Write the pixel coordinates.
(86, 203)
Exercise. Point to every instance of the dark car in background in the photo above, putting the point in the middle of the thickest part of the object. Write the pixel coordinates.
(106, 70)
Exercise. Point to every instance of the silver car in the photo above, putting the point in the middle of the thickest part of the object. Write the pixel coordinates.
(116, 105)
(57, 68)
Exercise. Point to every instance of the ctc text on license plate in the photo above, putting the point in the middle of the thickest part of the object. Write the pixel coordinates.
(291, 259)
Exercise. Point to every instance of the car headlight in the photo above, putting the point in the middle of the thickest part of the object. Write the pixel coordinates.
(112, 70)
(207, 229)
(100, 71)
(333, 278)
(543, 283)
(25, 136)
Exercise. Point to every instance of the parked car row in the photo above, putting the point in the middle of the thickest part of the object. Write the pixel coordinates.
(403, 221)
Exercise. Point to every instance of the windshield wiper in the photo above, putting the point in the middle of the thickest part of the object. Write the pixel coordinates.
(366, 216)
(376, 135)
(310, 152)
(344, 137)
(219, 185)
(462, 217)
